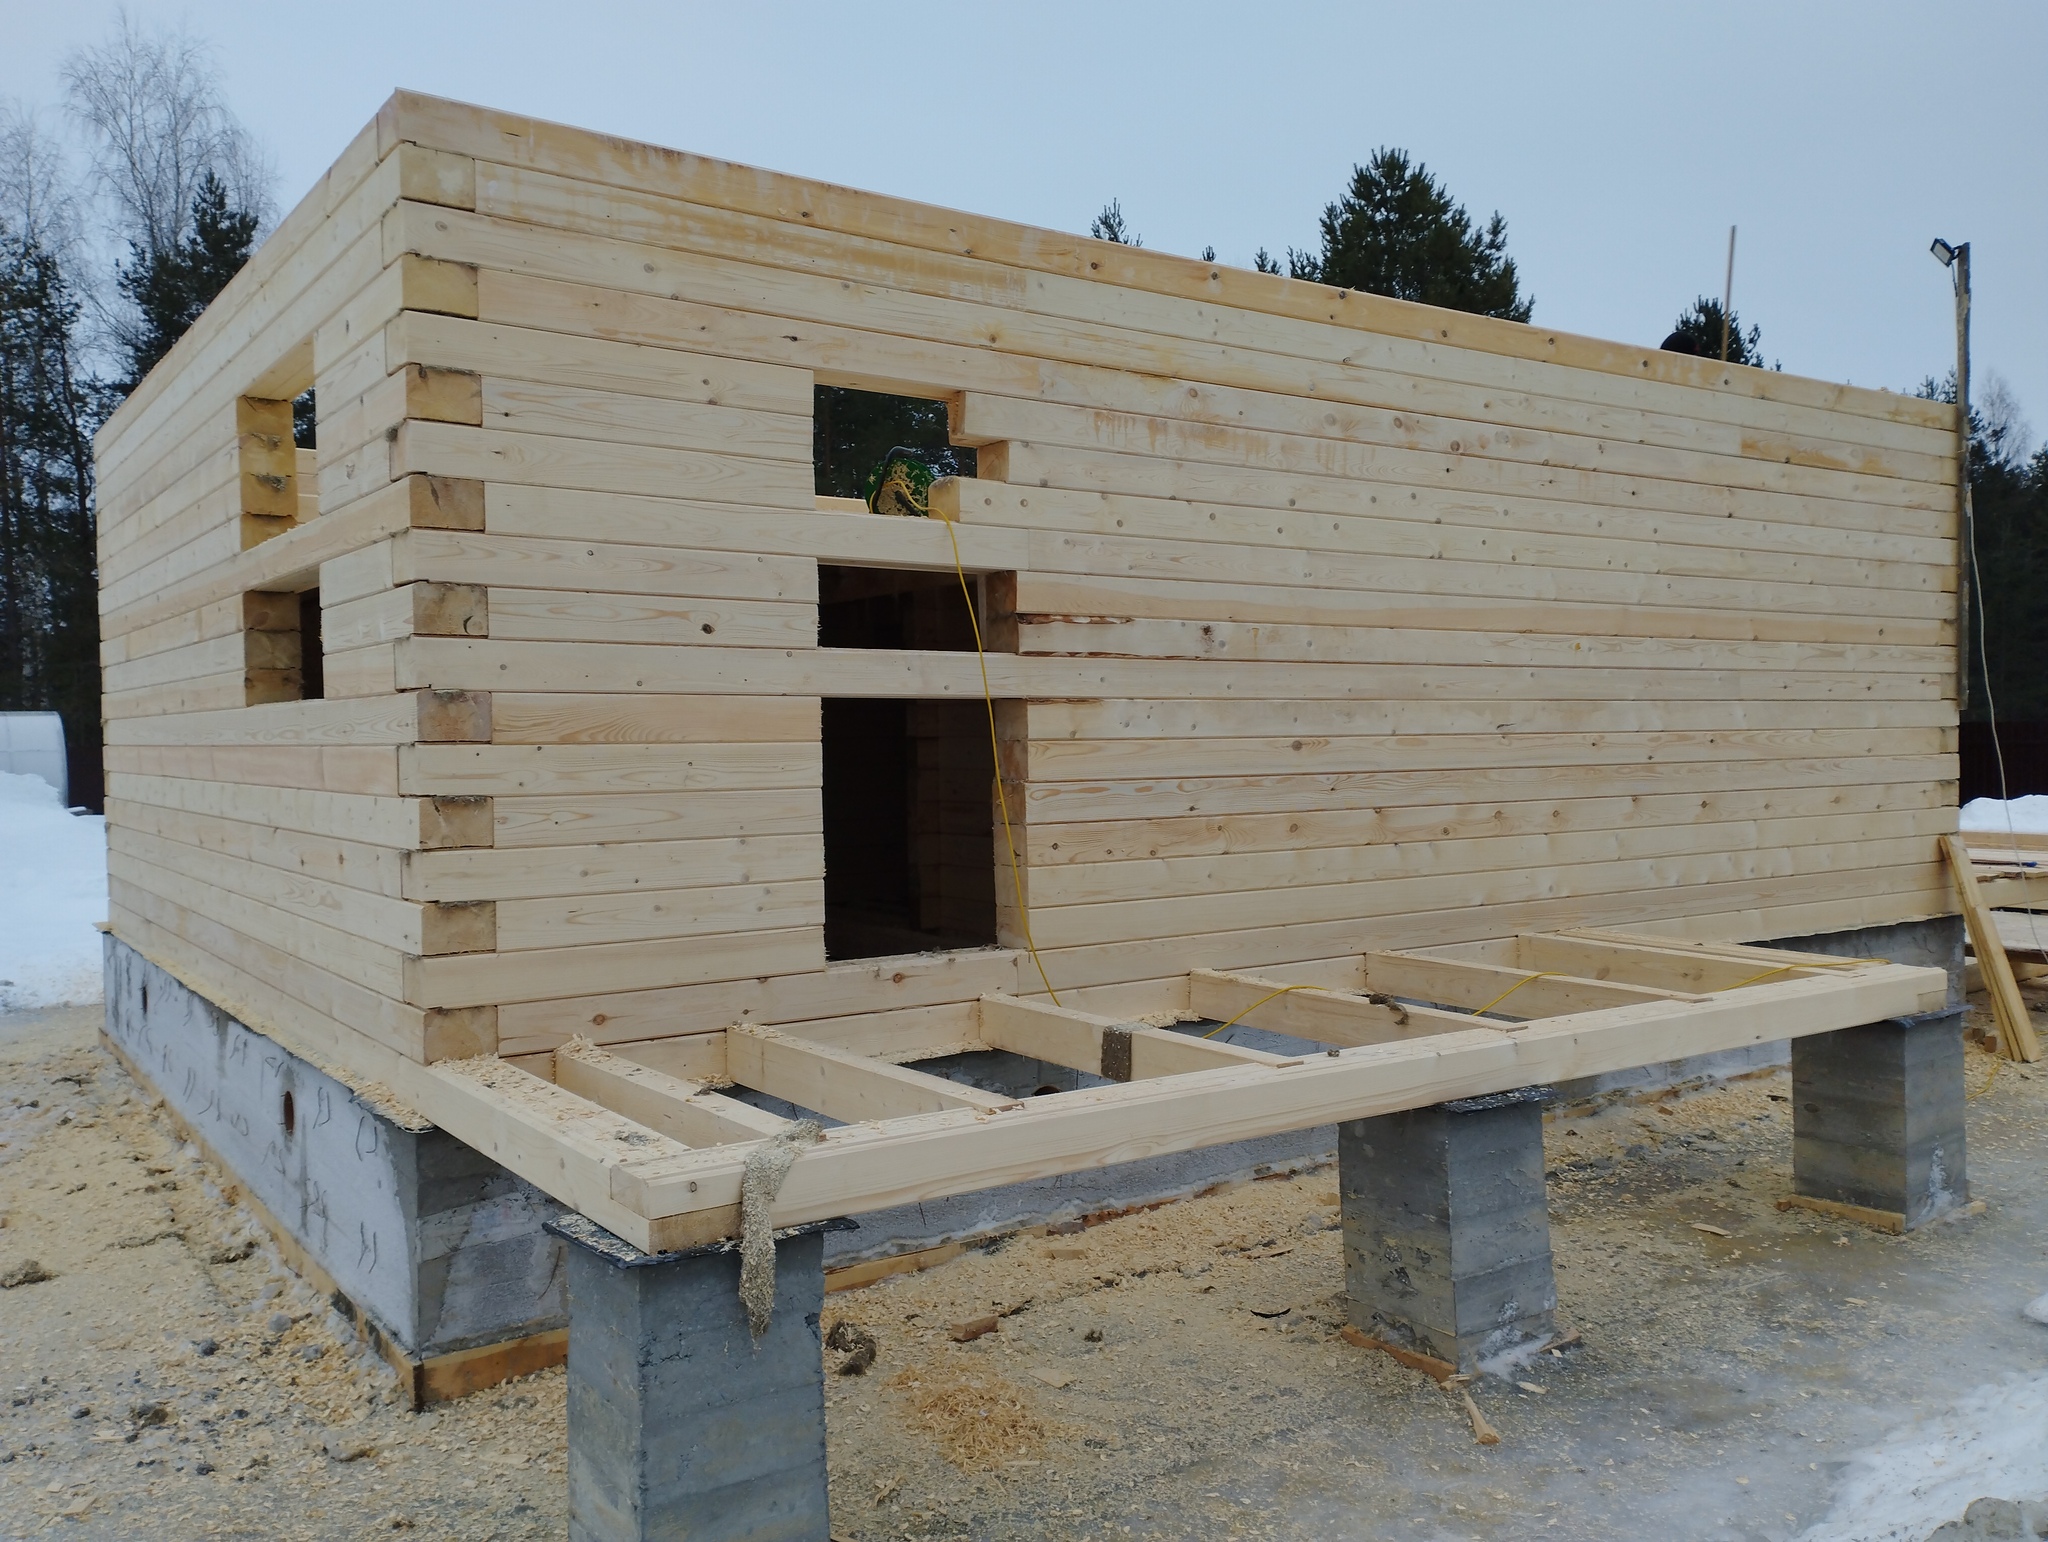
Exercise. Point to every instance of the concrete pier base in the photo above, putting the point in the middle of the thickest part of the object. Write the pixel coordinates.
(1877, 1118)
(680, 1423)
(1446, 1227)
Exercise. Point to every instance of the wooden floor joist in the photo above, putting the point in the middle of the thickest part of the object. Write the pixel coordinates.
(912, 1135)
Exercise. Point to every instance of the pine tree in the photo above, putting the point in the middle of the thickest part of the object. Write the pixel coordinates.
(1109, 225)
(1396, 231)
(169, 287)
(49, 611)
(2009, 504)
(1698, 331)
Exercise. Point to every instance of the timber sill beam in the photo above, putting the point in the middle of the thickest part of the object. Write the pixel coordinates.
(1102, 1046)
(693, 1197)
(1313, 1013)
(1515, 992)
(685, 1111)
(840, 1083)
(1670, 968)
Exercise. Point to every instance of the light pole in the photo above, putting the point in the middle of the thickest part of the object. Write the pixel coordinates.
(1956, 259)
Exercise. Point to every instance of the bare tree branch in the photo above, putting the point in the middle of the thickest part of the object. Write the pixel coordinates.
(150, 104)
(36, 201)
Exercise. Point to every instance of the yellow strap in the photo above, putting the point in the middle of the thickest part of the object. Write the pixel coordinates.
(996, 750)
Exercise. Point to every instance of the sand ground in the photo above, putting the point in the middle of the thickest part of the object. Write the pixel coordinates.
(1173, 1374)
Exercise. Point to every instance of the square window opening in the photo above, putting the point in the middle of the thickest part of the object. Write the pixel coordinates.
(897, 608)
(910, 837)
(853, 431)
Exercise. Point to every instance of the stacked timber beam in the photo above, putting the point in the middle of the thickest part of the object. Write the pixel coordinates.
(1330, 628)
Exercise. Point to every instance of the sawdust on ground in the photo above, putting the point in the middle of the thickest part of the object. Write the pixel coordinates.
(1178, 1372)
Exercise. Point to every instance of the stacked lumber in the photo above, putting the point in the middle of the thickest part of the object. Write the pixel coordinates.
(1337, 624)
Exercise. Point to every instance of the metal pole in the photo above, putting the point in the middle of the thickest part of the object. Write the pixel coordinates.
(1966, 530)
(1728, 294)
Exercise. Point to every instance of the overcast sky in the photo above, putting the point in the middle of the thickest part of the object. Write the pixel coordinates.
(1620, 141)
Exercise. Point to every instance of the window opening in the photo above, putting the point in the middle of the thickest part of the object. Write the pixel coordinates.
(852, 430)
(910, 837)
(895, 608)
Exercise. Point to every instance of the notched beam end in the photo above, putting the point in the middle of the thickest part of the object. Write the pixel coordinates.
(454, 717)
(447, 823)
(446, 503)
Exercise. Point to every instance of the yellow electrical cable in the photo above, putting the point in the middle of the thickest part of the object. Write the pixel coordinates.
(1256, 1005)
(1503, 996)
(1839, 963)
(996, 750)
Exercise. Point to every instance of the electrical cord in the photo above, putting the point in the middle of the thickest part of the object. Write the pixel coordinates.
(996, 750)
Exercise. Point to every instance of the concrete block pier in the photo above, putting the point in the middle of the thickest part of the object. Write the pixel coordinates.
(1877, 1119)
(681, 1424)
(1446, 1227)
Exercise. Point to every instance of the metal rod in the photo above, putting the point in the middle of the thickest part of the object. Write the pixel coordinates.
(1728, 294)
(1966, 525)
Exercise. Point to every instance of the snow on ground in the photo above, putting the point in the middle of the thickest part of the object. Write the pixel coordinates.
(2021, 816)
(53, 889)
(1991, 1443)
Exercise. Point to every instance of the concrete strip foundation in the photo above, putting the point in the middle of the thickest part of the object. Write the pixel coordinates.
(681, 1424)
(438, 1253)
(1877, 1117)
(1447, 1226)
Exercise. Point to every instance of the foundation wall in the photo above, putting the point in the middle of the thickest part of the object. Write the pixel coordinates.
(438, 1247)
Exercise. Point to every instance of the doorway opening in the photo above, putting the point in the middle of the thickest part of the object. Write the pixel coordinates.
(910, 848)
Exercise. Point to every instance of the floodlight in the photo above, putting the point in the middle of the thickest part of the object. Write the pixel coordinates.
(1943, 252)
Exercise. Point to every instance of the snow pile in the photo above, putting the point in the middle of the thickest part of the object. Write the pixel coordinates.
(2021, 816)
(53, 888)
(1991, 1443)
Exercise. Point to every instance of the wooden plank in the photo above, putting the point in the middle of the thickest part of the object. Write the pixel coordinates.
(1303, 1011)
(721, 864)
(579, 566)
(487, 770)
(1076, 1039)
(2016, 1036)
(490, 664)
(547, 974)
(2024, 934)
(902, 1161)
(504, 139)
(840, 1084)
(578, 818)
(1509, 991)
(685, 1111)
(799, 999)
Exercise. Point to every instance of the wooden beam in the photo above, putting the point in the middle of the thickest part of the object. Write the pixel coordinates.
(1523, 993)
(2016, 1036)
(686, 1111)
(1102, 1046)
(1669, 968)
(1313, 1013)
(695, 1197)
(839, 1083)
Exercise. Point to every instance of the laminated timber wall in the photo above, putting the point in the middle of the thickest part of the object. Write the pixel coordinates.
(1337, 623)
